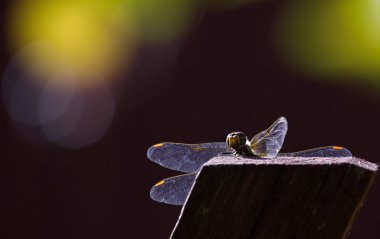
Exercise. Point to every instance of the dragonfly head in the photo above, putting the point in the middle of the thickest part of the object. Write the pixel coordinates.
(236, 140)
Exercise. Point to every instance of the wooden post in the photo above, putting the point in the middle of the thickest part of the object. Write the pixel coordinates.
(278, 198)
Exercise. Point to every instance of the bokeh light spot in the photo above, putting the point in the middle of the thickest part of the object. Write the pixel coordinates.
(88, 36)
(331, 38)
(56, 108)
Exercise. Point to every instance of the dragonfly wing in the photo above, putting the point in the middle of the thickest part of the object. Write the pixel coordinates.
(173, 190)
(184, 157)
(268, 143)
(329, 151)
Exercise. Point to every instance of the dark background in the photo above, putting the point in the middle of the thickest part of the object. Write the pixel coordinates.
(226, 77)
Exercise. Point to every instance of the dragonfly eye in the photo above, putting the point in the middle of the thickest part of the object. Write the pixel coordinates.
(236, 139)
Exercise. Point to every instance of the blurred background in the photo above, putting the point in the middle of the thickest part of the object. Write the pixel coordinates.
(88, 86)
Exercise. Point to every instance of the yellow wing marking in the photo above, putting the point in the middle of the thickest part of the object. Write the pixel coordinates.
(158, 145)
(337, 147)
(159, 183)
(195, 147)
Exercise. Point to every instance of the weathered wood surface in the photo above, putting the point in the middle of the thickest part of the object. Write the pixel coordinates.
(278, 198)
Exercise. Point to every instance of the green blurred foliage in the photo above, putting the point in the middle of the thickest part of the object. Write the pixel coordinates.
(331, 38)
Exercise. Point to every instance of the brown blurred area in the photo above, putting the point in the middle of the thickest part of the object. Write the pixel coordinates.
(224, 75)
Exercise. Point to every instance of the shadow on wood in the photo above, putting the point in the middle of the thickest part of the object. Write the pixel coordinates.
(278, 198)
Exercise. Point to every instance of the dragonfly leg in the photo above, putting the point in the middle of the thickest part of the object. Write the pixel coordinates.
(236, 155)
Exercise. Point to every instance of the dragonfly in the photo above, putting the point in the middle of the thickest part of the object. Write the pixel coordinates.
(189, 158)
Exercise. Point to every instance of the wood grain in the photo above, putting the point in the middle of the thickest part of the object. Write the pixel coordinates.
(278, 198)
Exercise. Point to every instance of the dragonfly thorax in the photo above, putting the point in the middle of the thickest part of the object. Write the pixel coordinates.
(239, 142)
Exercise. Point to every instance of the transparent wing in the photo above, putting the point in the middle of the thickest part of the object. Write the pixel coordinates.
(328, 151)
(173, 190)
(185, 158)
(268, 143)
